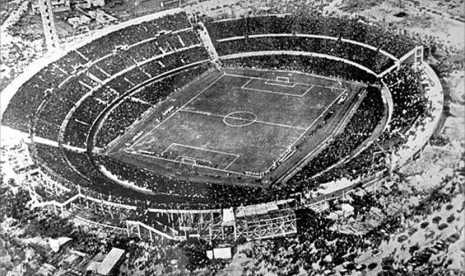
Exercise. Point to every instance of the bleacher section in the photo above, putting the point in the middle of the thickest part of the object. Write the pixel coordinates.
(360, 127)
(61, 84)
(371, 59)
(307, 64)
(126, 113)
(348, 28)
(123, 74)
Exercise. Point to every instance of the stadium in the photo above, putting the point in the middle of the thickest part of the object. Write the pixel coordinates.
(220, 129)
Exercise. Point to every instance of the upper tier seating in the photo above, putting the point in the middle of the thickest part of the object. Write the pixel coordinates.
(344, 27)
(371, 59)
(50, 80)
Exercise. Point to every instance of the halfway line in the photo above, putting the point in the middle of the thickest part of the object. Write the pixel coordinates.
(248, 120)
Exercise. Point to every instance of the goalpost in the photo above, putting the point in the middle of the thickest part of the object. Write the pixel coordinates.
(193, 161)
(188, 161)
(282, 79)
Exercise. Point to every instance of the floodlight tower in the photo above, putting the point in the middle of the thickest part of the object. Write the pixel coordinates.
(48, 22)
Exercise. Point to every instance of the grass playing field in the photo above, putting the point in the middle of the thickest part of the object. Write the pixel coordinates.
(240, 122)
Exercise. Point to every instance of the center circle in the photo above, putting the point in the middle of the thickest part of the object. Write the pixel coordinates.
(240, 118)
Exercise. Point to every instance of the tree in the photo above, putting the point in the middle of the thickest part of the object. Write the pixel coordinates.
(436, 219)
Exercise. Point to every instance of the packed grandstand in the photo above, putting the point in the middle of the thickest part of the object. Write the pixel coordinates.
(78, 107)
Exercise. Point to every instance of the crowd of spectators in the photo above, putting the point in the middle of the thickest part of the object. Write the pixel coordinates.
(408, 95)
(58, 104)
(345, 27)
(55, 109)
(410, 104)
(28, 98)
(120, 118)
(179, 193)
(163, 44)
(70, 62)
(58, 86)
(307, 64)
(358, 129)
(97, 72)
(129, 110)
(53, 163)
(319, 247)
(46, 129)
(105, 45)
(127, 57)
(82, 169)
(80, 172)
(88, 110)
(76, 133)
(136, 75)
(171, 193)
(164, 192)
(316, 247)
(117, 48)
(371, 59)
(126, 113)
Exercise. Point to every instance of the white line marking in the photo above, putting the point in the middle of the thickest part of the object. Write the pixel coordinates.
(236, 156)
(281, 93)
(301, 83)
(83, 56)
(163, 152)
(269, 91)
(208, 113)
(147, 74)
(272, 92)
(256, 121)
(177, 110)
(245, 84)
(130, 82)
(203, 149)
(231, 115)
(184, 158)
(103, 71)
(196, 165)
(225, 168)
(310, 126)
(308, 90)
(276, 83)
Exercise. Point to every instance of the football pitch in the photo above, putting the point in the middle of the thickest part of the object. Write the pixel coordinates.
(238, 123)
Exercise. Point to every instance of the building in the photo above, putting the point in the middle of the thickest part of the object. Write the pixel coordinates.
(111, 261)
(87, 4)
(224, 253)
(78, 21)
(102, 17)
(57, 6)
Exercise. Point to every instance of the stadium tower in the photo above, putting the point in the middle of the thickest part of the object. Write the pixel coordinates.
(50, 31)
